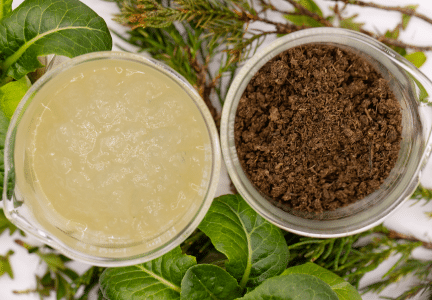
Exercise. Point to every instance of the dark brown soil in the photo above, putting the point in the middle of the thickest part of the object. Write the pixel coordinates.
(317, 128)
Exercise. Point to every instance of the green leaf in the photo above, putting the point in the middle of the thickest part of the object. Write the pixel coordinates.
(256, 249)
(407, 18)
(343, 289)
(349, 23)
(47, 280)
(42, 27)
(53, 261)
(11, 94)
(209, 282)
(416, 58)
(311, 6)
(5, 8)
(292, 287)
(4, 222)
(303, 21)
(160, 278)
(394, 34)
(63, 288)
(5, 266)
(422, 95)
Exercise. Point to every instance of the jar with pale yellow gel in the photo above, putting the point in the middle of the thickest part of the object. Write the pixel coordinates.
(114, 159)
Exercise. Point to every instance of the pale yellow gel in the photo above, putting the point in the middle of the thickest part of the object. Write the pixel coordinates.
(115, 153)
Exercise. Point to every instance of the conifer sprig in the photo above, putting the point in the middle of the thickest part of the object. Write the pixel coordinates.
(351, 259)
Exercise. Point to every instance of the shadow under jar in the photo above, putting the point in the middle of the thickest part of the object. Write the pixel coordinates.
(408, 85)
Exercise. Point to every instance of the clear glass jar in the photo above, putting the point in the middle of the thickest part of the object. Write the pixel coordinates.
(53, 232)
(412, 90)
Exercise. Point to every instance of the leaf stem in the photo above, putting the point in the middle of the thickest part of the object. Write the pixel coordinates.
(161, 279)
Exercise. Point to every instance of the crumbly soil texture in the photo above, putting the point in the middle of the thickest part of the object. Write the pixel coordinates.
(317, 128)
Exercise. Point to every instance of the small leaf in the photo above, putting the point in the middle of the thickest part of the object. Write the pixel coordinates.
(343, 289)
(292, 287)
(256, 249)
(11, 94)
(63, 288)
(330, 18)
(160, 278)
(42, 27)
(394, 34)
(5, 8)
(311, 6)
(407, 18)
(45, 285)
(422, 95)
(5, 223)
(303, 21)
(399, 50)
(209, 282)
(349, 23)
(71, 274)
(5, 266)
(53, 261)
(416, 58)
(47, 280)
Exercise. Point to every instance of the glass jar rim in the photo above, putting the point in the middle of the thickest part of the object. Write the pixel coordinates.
(338, 37)
(182, 233)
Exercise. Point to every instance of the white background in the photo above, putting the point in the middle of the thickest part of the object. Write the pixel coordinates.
(408, 219)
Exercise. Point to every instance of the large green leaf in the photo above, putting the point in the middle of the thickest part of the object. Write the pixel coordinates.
(209, 282)
(42, 27)
(255, 248)
(343, 289)
(158, 279)
(292, 287)
(5, 8)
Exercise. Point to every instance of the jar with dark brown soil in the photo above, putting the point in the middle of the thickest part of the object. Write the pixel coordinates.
(326, 131)
(317, 128)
